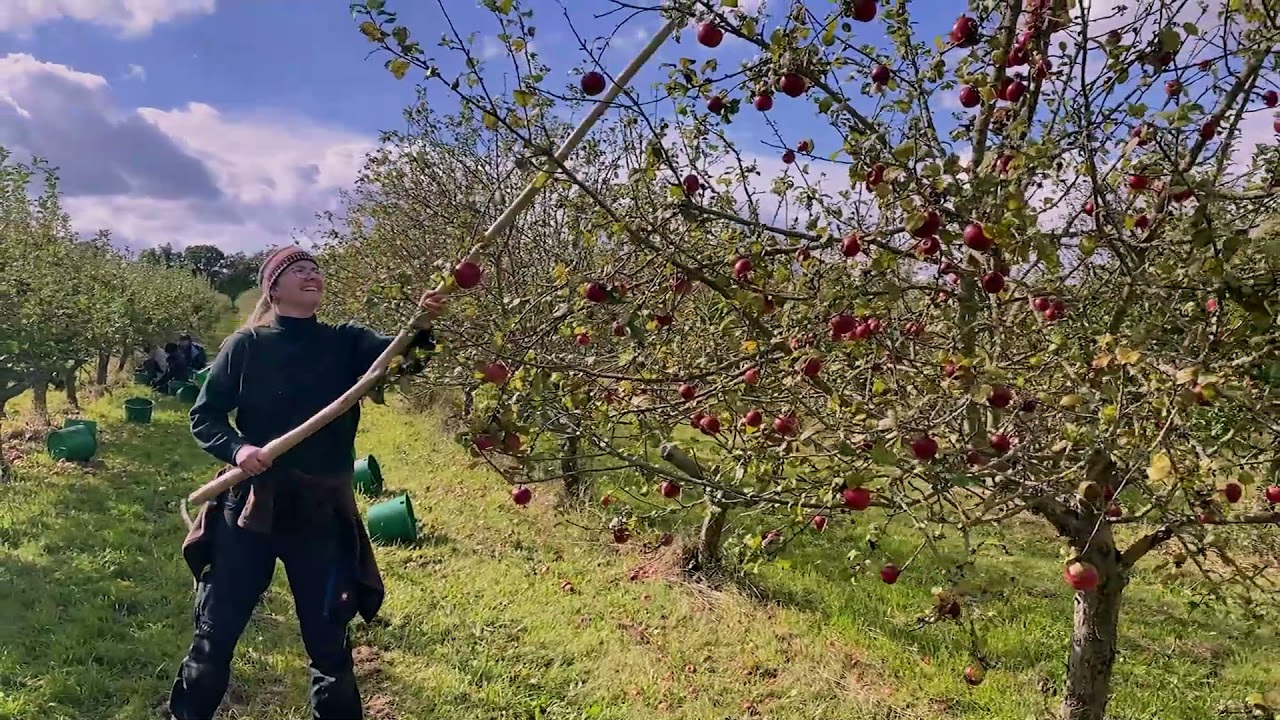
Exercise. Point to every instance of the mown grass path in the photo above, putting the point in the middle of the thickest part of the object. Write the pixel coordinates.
(505, 613)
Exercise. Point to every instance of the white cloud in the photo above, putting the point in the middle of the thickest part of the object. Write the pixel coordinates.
(185, 175)
(136, 72)
(130, 17)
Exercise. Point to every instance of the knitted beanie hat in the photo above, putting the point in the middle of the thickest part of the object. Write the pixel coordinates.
(278, 261)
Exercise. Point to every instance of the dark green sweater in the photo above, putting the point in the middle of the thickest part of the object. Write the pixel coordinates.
(275, 378)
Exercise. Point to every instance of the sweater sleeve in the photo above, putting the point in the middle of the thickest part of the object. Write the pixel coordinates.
(369, 344)
(210, 424)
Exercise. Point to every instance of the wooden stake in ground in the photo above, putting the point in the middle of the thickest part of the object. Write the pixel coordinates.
(335, 409)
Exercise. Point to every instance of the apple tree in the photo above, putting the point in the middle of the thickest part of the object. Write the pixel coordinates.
(1022, 262)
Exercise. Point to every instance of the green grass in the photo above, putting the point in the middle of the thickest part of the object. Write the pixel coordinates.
(95, 611)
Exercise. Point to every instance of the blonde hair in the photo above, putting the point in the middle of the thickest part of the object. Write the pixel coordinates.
(263, 313)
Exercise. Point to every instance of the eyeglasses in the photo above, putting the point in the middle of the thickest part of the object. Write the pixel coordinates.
(305, 270)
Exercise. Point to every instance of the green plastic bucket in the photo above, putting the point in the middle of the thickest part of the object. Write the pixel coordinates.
(138, 410)
(176, 385)
(368, 476)
(73, 422)
(201, 376)
(78, 443)
(393, 521)
(142, 377)
(188, 393)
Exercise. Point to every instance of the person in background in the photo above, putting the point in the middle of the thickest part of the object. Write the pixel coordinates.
(281, 368)
(176, 366)
(193, 351)
(153, 362)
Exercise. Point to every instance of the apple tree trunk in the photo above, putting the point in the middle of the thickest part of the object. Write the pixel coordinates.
(104, 368)
(69, 379)
(40, 399)
(574, 485)
(706, 555)
(1093, 638)
(124, 358)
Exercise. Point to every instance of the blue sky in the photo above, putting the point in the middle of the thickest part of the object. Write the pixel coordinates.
(224, 121)
(233, 122)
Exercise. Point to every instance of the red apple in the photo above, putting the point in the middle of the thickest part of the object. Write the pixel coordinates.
(483, 443)
(804, 146)
(669, 489)
(928, 246)
(993, 282)
(1081, 576)
(1139, 182)
(1000, 397)
(1233, 491)
(1114, 511)
(864, 10)
(1142, 222)
(793, 85)
(496, 372)
(975, 674)
(763, 102)
(786, 425)
(709, 425)
(964, 32)
(1040, 304)
(975, 236)
(929, 226)
(695, 421)
(1173, 88)
(856, 498)
(512, 443)
(751, 376)
(788, 157)
(811, 367)
(889, 574)
(1043, 67)
(664, 319)
(753, 418)
(915, 328)
(1000, 442)
(1089, 207)
(1273, 494)
(606, 501)
(688, 391)
(467, 274)
(621, 534)
(1270, 98)
(1014, 92)
(875, 176)
(619, 328)
(592, 83)
(819, 522)
(880, 75)
(924, 447)
(583, 339)
(715, 104)
(521, 495)
(594, 292)
(975, 458)
(691, 183)
(665, 539)
(710, 35)
(969, 96)
(742, 268)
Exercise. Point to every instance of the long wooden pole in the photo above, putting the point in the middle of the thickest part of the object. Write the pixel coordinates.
(335, 409)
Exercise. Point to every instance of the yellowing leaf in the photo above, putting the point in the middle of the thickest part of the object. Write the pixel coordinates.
(1160, 468)
(398, 68)
(370, 29)
(750, 347)
(1101, 361)
(1186, 375)
(491, 121)
(1128, 356)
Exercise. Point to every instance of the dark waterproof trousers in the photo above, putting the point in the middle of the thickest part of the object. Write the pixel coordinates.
(244, 562)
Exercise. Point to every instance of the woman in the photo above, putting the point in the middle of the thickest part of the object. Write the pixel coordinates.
(277, 371)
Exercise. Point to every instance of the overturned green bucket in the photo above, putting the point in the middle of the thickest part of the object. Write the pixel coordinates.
(142, 377)
(138, 410)
(201, 376)
(78, 443)
(176, 385)
(393, 521)
(188, 393)
(368, 476)
(82, 422)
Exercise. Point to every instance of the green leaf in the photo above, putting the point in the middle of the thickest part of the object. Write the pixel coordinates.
(491, 121)
(729, 3)
(523, 98)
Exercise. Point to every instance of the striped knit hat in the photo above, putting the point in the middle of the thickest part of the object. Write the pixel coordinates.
(278, 261)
